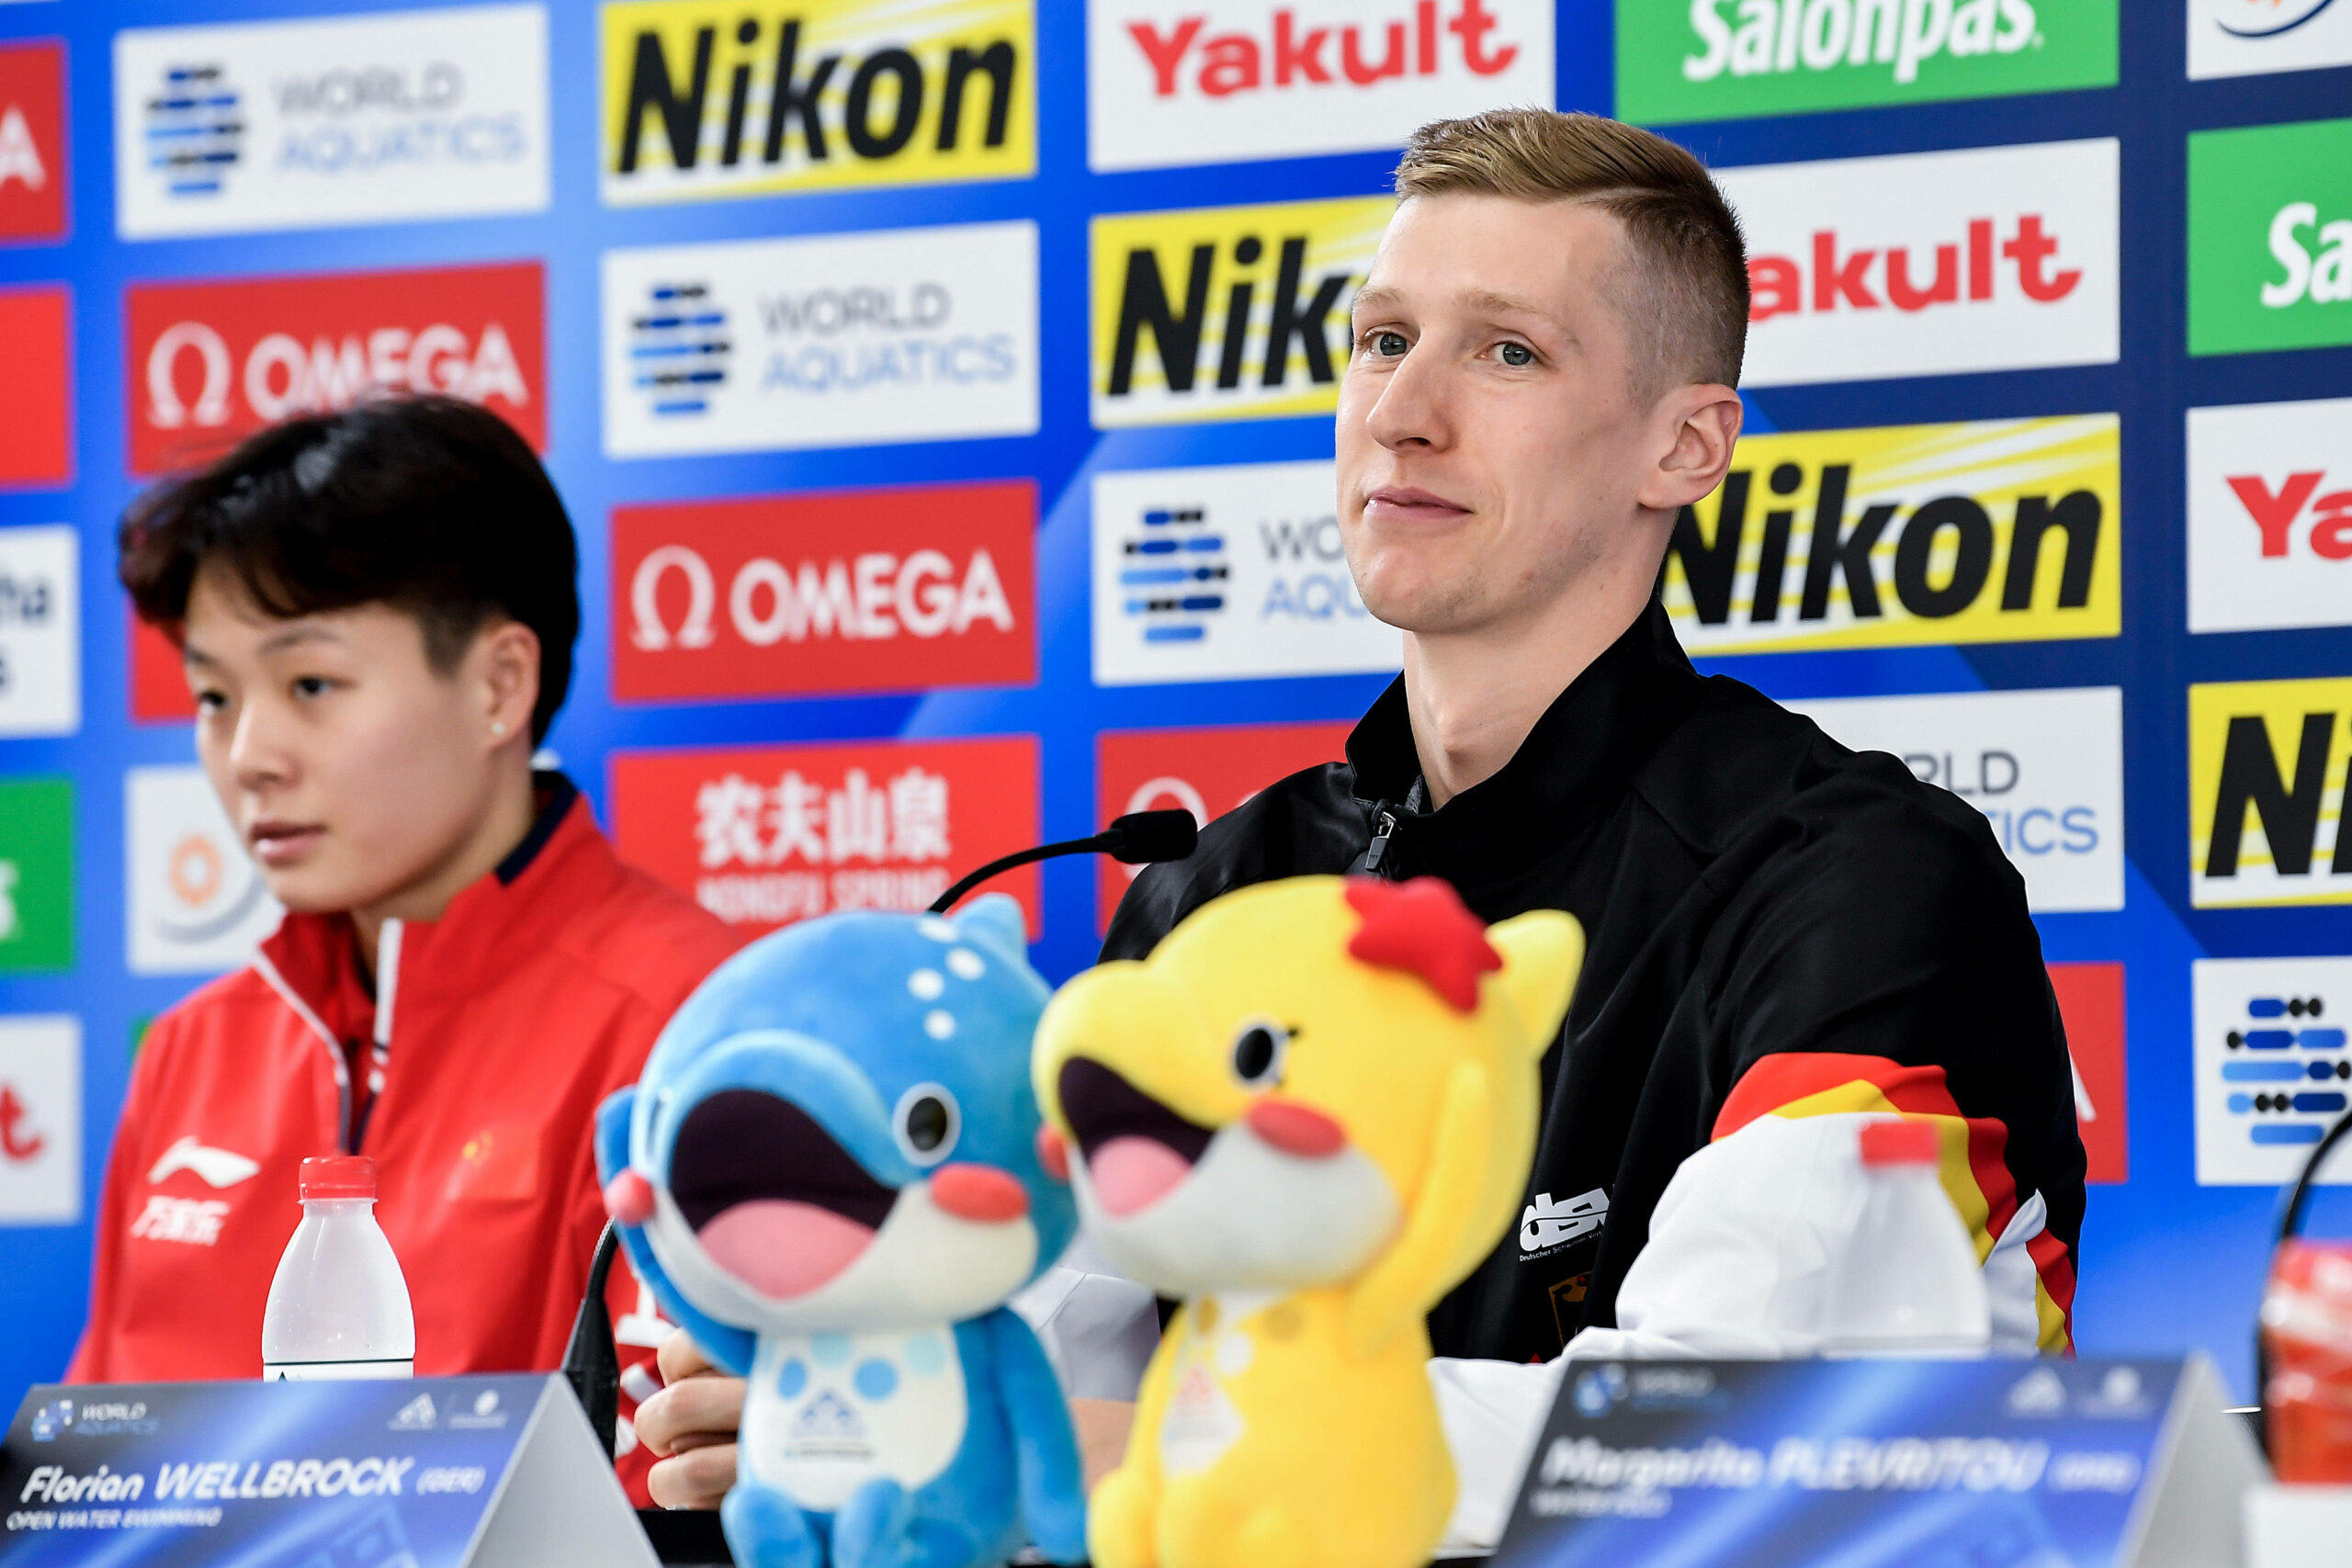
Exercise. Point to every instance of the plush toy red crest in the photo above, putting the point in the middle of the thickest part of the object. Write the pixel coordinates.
(1421, 927)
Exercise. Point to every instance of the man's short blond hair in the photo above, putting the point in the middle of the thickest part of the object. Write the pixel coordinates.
(1683, 289)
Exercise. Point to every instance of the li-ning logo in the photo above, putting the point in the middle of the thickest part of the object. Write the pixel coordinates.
(1547, 1225)
(679, 348)
(196, 128)
(1174, 576)
(217, 1168)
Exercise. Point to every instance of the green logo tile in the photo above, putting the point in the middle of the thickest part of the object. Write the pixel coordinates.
(36, 874)
(2270, 237)
(1731, 59)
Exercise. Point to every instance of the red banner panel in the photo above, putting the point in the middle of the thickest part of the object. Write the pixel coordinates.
(33, 166)
(37, 397)
(1206, 771)
(764, 836)
(210, 363)
(2090, 998)
(853, 590)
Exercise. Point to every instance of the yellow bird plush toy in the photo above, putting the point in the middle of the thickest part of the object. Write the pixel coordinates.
(1310, 1114)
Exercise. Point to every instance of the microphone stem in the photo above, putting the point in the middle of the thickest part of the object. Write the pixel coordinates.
(965, 883)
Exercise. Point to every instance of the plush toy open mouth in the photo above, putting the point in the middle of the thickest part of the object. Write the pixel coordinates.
(1136, 1150)
(773, 1199)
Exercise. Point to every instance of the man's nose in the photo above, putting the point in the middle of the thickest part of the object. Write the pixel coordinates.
(1412, 409)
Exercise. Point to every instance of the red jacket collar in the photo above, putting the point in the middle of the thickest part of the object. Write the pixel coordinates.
(563, 866)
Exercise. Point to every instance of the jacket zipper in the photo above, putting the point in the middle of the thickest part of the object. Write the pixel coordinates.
(1385, 826)
(326, 1036)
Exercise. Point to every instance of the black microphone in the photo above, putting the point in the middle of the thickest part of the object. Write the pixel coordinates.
(590, 1363)
(1137, 839)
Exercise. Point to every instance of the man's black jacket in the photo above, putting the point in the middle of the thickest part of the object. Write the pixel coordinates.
(1765, 910)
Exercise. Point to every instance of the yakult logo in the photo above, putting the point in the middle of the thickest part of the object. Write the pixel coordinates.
(2271, 516)
(762, 837)
(212, 362)
(1931, 264)
(1229, 80)
(851, 591)
(40, 1121)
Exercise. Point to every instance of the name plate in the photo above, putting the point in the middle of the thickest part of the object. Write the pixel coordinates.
(424, 1473)
(1925, 1464)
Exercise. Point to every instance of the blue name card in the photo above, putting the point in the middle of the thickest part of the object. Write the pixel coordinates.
(1924, 1464)
(429, 1472)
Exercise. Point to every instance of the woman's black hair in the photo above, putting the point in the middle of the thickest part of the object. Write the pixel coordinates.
(431, 505)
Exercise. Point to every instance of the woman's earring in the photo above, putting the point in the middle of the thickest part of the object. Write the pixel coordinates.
(498, 727)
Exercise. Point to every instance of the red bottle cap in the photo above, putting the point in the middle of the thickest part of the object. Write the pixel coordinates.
(338, 1176)
(1901, 1143)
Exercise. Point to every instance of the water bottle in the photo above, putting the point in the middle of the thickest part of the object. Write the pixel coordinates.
(1907, 1282)
(338, 1307)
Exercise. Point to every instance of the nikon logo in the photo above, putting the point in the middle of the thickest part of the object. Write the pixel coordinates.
(1234, 312)
(721, 100)
(2267, 766)
(2004, 530)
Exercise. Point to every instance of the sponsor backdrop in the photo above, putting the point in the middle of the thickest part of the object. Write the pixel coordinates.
(942, 390)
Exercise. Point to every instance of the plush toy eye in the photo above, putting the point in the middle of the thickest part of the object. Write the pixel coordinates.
(927, 1122)
(1259, 1051)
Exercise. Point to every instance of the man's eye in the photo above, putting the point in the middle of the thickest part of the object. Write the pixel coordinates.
(1516, 354)
(1389, 345)
(211, 702)
(312, 685)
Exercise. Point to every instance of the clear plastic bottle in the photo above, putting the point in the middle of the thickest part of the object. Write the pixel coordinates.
(338, 1307)
(1907, 1283)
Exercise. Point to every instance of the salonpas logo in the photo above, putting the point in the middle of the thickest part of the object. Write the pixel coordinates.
(1226, 312)
(2271, 238)
(2266, 766)
(35, 876)
(705, 101)
(1724, 59)
(1996, 531)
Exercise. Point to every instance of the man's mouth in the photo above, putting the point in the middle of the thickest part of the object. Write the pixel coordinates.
(1136, 1150)
(1410, 504)
(773, 1199)
(281, 843)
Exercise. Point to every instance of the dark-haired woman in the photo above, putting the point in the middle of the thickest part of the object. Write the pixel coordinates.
(377, 612)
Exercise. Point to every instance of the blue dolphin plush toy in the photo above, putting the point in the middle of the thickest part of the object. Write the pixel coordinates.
(829, 1175)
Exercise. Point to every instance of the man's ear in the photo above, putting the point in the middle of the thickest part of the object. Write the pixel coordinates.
(1702, 426)
(507, 657)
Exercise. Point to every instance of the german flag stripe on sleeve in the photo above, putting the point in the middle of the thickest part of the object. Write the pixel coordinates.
(1974, 1174)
